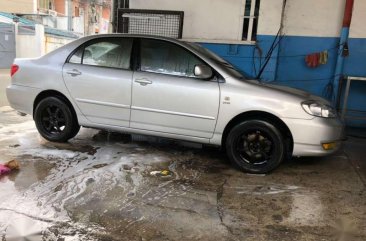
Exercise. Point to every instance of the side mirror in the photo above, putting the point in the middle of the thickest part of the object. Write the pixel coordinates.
(202, 71)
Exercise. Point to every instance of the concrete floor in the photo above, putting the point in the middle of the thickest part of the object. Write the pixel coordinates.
(99, 187)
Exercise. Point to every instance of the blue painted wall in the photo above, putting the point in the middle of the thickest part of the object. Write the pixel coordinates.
(293, 71)
(355, 65)
(248, 58)
(287, 65)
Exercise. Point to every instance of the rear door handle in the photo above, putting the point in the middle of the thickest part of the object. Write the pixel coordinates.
(73, 72)
(143, 81)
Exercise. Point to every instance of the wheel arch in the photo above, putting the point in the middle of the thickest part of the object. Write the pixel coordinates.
(54, 93)
(260, 115)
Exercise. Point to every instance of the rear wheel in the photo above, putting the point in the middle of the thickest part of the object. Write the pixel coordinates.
(255, 146)
(55, 120)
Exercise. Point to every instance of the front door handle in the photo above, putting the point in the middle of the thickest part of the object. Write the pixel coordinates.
(143, 81)
(73, 72)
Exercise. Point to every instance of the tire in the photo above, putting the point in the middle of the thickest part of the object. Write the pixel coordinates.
(55, 120)
(255, 146)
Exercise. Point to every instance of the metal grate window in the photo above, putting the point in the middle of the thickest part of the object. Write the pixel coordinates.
(46, 4)
(250, 21)
(151, 22)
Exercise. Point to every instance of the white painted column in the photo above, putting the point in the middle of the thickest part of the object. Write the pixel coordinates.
(35, 6)
(16, 40)
(40, 39)
(68, 13)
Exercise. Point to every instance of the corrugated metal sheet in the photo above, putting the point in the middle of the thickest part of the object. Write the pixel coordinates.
(58, 32)
(7, 45)
(26, 26)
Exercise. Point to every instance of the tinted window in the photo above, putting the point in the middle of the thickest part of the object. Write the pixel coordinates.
(236, 72)
(114, 53)
(76, 58)
(164, 57)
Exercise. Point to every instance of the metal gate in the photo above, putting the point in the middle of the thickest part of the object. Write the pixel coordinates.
(7, 45)
(150, 22)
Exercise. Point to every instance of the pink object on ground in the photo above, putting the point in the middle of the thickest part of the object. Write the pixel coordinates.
(4, 169)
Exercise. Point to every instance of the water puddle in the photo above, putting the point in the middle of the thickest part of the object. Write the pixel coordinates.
(266, 189)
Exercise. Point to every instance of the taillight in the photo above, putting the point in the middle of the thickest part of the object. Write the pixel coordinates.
(14, 68)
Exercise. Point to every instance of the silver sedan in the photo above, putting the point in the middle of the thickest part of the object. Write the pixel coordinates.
(169, 88)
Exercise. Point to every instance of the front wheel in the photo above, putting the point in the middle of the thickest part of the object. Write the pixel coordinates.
(55, 121)
(255, 146)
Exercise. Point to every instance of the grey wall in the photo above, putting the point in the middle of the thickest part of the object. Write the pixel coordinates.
(7, 45)
(4, 82)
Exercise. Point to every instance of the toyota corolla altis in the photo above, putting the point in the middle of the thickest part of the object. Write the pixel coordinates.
(169, 88)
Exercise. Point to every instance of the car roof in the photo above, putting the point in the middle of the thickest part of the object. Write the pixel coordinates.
(132, 36)
(58, 56)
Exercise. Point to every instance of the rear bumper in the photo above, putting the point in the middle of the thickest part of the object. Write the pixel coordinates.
(21, 98)
(309, 135)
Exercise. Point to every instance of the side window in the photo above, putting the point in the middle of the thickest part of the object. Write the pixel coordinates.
(113, 53)
(76, 57)
(163, 57)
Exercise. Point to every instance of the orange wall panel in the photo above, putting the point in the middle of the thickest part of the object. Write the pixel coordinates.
(106, 13)
(60, 6)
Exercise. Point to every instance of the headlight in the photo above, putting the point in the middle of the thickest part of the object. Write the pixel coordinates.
(315, 108)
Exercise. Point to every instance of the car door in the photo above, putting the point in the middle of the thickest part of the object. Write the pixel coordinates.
(167, 97)
(99, 76)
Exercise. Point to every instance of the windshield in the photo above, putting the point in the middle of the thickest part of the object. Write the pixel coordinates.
(218, 60)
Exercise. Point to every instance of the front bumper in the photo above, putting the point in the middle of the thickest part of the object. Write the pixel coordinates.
(21, 98)
(309, 135)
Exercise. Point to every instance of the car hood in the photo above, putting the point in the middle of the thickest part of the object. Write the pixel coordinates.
(292, 91)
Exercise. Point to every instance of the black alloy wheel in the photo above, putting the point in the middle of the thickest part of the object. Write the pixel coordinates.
(55, 120)
(255, 146)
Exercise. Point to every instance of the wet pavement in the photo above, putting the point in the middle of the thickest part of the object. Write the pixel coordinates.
(99, 187)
